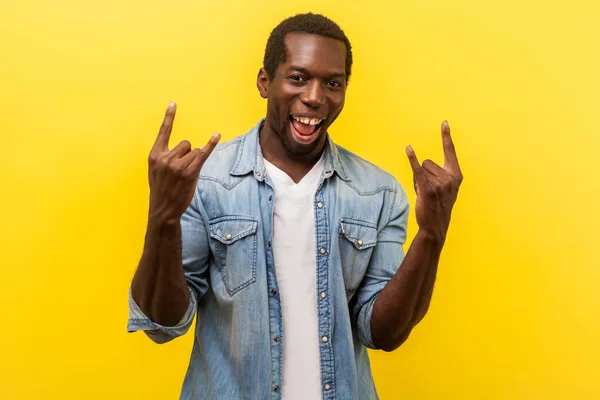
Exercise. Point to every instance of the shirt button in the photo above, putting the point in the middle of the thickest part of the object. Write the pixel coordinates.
(269, 244)
(324, 339)
(276, 388)
(360, 242)
(273, 292)
(327, 386)
(322, 251)
(270, 198)
(228, 236)
(323, 295)
(276, 339)
(320, 205)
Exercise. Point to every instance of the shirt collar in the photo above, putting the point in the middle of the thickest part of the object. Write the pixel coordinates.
(250, 158)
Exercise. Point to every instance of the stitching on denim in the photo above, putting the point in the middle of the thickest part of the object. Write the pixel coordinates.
(146, 320)
(240, 153)
(157, 327)
(356, 221)
(233, 238)
(233, 218)
(369, 193)
(224, 184)
(320, 305)
(253, 277)
(392, 206)
(328, 311)
(342, 163)
(353, 239)
(195, 200)
(222, 259)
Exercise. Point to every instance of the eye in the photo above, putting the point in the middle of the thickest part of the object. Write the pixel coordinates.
(334, 84)
(296, 78)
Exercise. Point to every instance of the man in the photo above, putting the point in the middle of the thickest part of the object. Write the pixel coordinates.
(288, 247)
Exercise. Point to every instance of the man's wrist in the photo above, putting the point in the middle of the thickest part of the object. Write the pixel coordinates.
(434, 239)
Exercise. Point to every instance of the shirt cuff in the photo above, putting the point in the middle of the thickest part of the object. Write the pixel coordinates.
(138, 321)
(364, 324)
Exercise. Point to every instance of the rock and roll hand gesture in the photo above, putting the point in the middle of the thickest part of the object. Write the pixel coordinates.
(173, 174)
(436, 188)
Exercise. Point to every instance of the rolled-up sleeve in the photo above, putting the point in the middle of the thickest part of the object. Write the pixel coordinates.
(138, 321)
(195, 257)
(387, 256)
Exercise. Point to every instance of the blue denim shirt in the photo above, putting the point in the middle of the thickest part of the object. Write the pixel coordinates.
(360, 227)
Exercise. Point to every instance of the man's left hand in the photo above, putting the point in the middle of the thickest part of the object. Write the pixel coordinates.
(436, 188)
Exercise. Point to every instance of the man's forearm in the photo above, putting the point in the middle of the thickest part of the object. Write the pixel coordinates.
(405, 299)
(427, 289)
(159, 286)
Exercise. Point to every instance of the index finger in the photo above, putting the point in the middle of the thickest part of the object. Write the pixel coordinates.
(450, 158)
(418, 172)
(164, 133)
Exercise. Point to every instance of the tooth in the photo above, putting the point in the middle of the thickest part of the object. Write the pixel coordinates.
(308, 121)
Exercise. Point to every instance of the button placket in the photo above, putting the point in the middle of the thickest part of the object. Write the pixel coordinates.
(274, 301)
(322, 245)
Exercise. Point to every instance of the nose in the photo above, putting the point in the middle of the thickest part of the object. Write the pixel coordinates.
(313, 94)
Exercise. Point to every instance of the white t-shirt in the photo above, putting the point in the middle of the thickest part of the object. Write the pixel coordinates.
(296, 268)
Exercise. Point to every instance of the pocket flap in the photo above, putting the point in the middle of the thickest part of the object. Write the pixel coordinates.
(232, 227)
(361, 233)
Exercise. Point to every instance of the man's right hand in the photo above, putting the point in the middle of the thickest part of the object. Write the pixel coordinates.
(173, 174)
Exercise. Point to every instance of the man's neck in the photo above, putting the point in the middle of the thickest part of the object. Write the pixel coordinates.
(295, 166)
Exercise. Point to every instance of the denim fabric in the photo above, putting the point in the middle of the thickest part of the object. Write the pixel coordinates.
(360, 220)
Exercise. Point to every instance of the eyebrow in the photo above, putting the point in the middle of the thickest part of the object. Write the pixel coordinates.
(307, 72)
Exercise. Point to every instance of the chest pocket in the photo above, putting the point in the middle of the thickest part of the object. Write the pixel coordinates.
(357, 240)
(235, 244)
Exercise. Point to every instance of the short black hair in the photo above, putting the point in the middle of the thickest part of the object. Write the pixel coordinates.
(316, 24)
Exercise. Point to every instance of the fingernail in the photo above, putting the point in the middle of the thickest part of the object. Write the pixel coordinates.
(171, 104)
(409, 149)
(445, 124)
(216, 135)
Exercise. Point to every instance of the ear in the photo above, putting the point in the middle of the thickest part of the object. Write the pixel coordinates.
(262, 83)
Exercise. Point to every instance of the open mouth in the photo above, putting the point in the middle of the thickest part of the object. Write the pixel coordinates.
(305, 129)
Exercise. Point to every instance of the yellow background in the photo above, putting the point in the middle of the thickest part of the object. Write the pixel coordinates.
(515, 314)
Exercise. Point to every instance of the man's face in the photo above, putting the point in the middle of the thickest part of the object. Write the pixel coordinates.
(307, 92)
